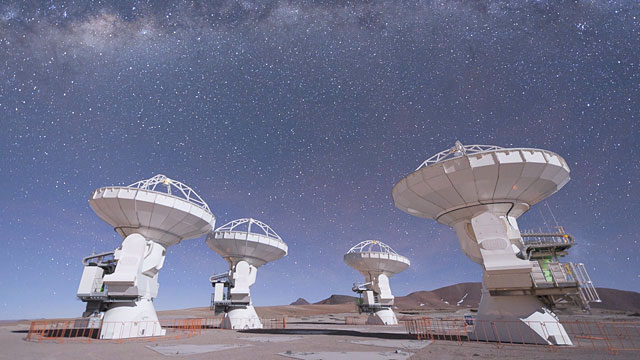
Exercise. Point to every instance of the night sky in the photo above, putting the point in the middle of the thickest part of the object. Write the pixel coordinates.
(304, 114)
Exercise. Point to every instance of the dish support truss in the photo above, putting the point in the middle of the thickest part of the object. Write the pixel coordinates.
(179, 189)
(370, 245)
(457, 150)
(236, 224)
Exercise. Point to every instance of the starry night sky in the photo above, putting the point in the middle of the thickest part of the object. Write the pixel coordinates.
(304, 114)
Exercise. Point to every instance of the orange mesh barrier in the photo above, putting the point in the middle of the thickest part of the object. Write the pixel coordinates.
(274, 323)
(355, 320)
(280, 323)
(89, 330)
(612, 336)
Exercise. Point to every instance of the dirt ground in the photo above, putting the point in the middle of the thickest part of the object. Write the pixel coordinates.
(313, 332)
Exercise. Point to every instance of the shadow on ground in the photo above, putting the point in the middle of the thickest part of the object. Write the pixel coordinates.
(330, 332)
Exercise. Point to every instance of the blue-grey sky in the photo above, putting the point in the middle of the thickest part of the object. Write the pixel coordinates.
(304, 114)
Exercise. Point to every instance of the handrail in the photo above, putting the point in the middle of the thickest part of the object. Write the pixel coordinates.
(360, 287)
(586, 285)
(540, 238)
(216, 277)
(85, 260)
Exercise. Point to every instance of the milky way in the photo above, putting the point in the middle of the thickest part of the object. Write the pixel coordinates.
(304, 115)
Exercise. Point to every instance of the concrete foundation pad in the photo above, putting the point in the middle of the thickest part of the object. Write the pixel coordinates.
(187, 349)
(351, 355)
(273, 339)
(396, 344)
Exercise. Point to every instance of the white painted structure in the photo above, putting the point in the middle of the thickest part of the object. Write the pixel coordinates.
(480, 191)
(377, 262)
(150, 215)
(246, 244)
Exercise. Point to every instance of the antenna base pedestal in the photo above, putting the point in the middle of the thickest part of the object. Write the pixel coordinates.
(122, 288)
(383, 316)
(241, 318)
(521, 319)
(130, 320)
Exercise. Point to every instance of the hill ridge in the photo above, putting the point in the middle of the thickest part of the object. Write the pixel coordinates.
(468, 294)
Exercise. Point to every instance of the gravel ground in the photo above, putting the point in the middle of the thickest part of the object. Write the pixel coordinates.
(314, 336)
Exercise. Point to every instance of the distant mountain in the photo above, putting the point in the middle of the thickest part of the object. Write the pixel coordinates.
(419, 300)
(337, 299)
(463, 294)
(455, 296)
(468, 295)
(300, 301)
(613, 299)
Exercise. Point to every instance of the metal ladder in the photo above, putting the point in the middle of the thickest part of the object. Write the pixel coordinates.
(587, 290)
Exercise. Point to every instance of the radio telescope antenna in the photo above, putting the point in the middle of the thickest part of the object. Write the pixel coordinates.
(480, 191)
(377, 262)
(246, 244)
(150, 215)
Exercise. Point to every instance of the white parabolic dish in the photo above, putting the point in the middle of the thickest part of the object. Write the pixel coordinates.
(375, 257)
(452, 184)
(247, 239)
(164, 217)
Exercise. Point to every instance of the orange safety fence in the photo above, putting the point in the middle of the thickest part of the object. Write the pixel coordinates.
(95, 329)
(363, 321)
(355, 320)
(270, 323)
(612, 336)
(274, 323)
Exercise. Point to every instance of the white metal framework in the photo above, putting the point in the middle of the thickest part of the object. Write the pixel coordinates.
(370, 246)
(457, 150)
(235, 226)
(183, 191)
